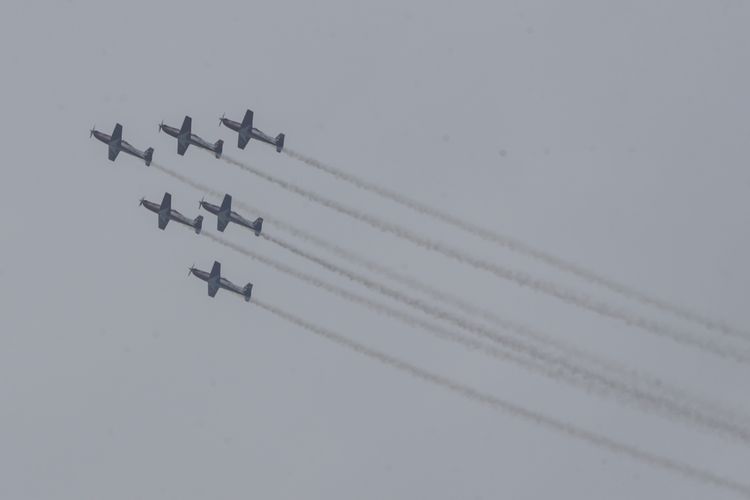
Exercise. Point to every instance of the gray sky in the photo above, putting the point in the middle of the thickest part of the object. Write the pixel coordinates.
(613, 134)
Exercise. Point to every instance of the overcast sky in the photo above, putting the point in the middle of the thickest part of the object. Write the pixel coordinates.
(613, 134)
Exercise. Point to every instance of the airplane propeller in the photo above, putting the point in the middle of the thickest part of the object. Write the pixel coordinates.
(190, 270)
(221, 120)
(200, 203)
(142, 200)
(161, 125)
(91, 132)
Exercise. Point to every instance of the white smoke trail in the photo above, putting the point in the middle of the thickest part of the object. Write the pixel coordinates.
(629, 376)
(526, 249)
(186, 180)
(677, 396)
(578, 377)
(601, 441)
(690, 413)
(517, 277)
(447, 299)
(408, 319)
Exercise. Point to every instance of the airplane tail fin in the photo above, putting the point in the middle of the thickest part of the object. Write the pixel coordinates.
(247, 291)
(218, 148)
(149, 153)
(258, 225)
(215, 271)
(198, 224)
(279, 143)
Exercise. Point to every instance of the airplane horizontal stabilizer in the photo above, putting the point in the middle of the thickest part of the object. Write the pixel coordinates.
(148, 155)
(198, 224)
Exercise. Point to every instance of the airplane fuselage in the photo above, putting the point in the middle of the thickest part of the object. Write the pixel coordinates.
(150, 205)
(191, 138)
(201, 275)
(105, 138)
(250, 132)
(166, 215)
(232, 216)
(228, 285)
(123, 146)
(218, 280)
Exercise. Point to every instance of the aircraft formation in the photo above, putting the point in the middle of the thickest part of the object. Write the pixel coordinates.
(494, 336)
(224, 213)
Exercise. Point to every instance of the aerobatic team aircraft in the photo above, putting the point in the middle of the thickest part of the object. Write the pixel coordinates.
(246, 131)
(215, 281)
(224, 215)
(185, 138)
(166, 213)
(116, 144)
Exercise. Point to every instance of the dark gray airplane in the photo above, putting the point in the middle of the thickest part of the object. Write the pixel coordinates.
(215, 281)
(116, 144)
(185, 138)
(166, 213)
(224, 215)
(247, 131)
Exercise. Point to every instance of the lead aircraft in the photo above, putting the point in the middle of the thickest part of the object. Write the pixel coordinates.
(117, 144)
(246, 131)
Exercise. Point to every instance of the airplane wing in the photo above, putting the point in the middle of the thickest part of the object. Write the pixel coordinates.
(183, 139)
(246, 130)
(182, 146)
(115, 142)
(166, 202)
(221, 223)
(213, 287)
(164, 210)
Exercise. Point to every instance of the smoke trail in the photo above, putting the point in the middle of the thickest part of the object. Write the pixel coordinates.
(656, 402)
(409, 319)
(591, 383)
(670, 393)
(187, 180)
(632, 377)
(572, 376)
(517, 277)
(525, 249)
(440, 295)
(685, 470)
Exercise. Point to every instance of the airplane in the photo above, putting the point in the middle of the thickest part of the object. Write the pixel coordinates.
(247, 132)
(225, 215)
(185, 138)
(116, 144)
(166, 213)
(215, 281)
